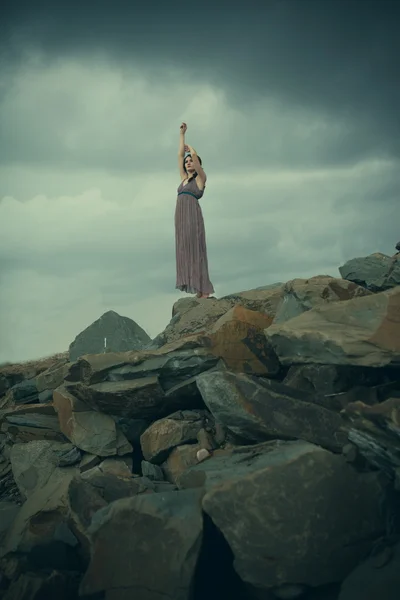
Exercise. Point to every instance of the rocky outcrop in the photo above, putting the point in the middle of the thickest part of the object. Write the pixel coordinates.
(110, 333)
(361, 332)
(250, 452)
(376, 272)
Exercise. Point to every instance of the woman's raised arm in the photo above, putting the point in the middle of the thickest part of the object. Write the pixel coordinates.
(181, 151)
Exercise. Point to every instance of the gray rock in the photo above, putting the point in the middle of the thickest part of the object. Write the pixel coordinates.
(121, 334)
(376, 272)
(25, 392)
(153, 472)
(377, 577)
(8, 512)
(305, 509)
(167, 530)
(261, 409)
(45, 397)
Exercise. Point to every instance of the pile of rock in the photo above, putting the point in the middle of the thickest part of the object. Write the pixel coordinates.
(250, 451)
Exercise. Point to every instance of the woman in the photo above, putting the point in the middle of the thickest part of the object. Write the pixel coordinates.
(190, 236)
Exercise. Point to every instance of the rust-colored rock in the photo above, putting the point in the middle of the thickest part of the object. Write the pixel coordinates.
(238, 338)
(87, 429)
(180, 459)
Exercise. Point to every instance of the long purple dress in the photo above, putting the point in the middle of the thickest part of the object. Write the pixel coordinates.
(190, 242)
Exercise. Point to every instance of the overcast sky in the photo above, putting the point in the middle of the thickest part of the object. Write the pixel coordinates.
(293, 106)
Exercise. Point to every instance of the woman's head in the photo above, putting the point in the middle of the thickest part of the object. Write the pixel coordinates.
(188, 165)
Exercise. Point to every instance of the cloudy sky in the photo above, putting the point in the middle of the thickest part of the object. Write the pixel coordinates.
(293, 106)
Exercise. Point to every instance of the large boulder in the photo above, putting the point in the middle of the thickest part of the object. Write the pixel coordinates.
(110, 333)
(259, 410)
(30, 422)
(300, 295)
(167, 532)
(362, 332)
(376, 272)
(291, 512)
(265, 299)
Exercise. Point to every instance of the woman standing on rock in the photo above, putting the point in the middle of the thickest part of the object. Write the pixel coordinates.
(190, 236)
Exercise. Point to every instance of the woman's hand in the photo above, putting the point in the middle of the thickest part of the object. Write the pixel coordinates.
(190, 149)
(183, 128)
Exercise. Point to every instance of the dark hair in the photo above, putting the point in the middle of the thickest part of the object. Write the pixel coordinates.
(184, 167)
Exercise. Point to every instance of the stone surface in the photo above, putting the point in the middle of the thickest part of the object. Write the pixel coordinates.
(362, 332)
(153, 472)
(41, 531)
(300, 295)
(237, 337)
(89, 430)
(290, 511)
(265, 299)
(257, 410)
(175, 430)
(376, 272)
(330, 379)
(34, 462)
(167, 532)
(40, 586)
(24, 392)
(31, 422)
(52, 377)
(180, 459)
(378, 577)
(190, 316)
(8, 512)
(110, 333)
(375, 430)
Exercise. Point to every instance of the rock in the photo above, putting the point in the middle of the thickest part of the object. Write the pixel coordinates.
(45, 397)
(52, 377)
(398, 246)
(191, 316)
(8, 512)
(376, 272)
(237, 337)
(91, 431)
(165, 434)
(372, 580)
(167, 529)
(24, 392)
(300, 295)
(258, 410)
(37, 586)
(265, 299)
(110, 333)
(31, 422)
(41, 531)
(321, 518)
(375, 430)
(142, 398)
(153, 472)
(33, 463)
(361, 332)
(180, 459)
(330, 379)
(132, 428)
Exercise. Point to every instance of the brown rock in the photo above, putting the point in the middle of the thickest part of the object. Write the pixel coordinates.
(238, 338)
(175, 430)
(167, 529)
(89, 430)
(363, 332)
(260, 409)
(180, 459)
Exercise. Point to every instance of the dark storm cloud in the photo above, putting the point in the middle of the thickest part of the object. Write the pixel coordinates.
(340, 57)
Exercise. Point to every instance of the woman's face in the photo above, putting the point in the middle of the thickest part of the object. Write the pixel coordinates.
(189, 164)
